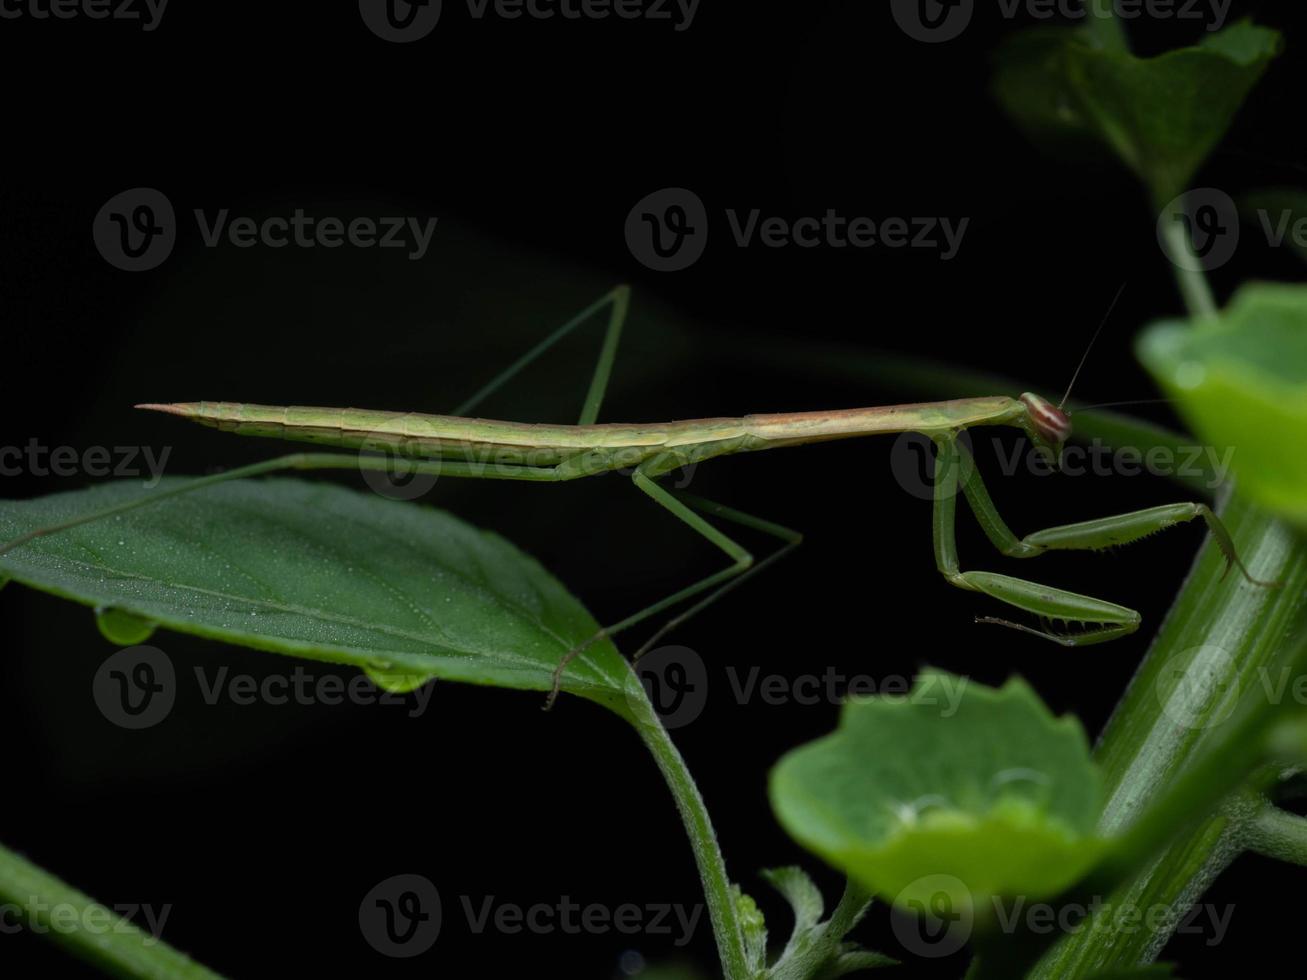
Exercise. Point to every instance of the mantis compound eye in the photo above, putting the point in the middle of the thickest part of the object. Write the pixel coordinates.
(1052, 424)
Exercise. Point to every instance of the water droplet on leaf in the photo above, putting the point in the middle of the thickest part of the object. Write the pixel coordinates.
(123, 628)
(395, 682)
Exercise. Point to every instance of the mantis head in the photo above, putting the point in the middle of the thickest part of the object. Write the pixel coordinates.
(1048, 425)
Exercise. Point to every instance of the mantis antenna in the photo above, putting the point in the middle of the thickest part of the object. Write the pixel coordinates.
(1092, 340)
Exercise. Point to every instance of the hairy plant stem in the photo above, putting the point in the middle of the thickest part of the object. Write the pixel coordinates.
(1223, 661)
(1228, 643)
(703, 842)
(1276, 834)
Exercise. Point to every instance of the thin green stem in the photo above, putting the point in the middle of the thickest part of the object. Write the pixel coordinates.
(1229, 643)
(86, 928)
(703, 842)
(1104, 27)
(1189, 276)
(852, 907)
(1277, 834)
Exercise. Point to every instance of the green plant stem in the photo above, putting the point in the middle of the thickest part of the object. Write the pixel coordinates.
(703, 841)
(1198, 298)
(852, 907)
(85, 927)
(1277, 834)
(1104, 26)
(1226, 636)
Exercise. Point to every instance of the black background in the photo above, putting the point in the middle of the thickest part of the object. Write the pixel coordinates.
(264, 826)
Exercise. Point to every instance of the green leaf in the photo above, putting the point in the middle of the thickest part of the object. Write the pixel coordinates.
(800, 891)
(816, 949)
(754, 927)
(957, 788)
(1162, 116)
(314, 570)
(1157, 971)
(1240, 380)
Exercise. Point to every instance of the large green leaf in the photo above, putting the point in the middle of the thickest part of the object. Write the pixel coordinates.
(314, 570)
(1240, 380)
(1162, 116)
(957, 788)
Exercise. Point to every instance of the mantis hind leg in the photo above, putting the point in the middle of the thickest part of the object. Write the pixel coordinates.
(689, 509)
(619, 298)
(1100, 620)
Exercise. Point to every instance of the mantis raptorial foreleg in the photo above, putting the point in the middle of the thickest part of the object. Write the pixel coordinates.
(1043, 601)
(1106, 620)
(452, 446)
(1095, 535)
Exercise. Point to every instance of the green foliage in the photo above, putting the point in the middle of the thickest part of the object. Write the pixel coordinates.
(816, 948)
(956, 787)
(403, 591)
(1240, 380)
(1162, 116)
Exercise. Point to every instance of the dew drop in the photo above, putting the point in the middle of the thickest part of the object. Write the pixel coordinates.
(395, 682)
(123, 628)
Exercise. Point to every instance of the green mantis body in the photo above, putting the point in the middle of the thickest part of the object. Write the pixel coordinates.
(460, 446)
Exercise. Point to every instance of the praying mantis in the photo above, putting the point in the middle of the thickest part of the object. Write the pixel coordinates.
(461, 446)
